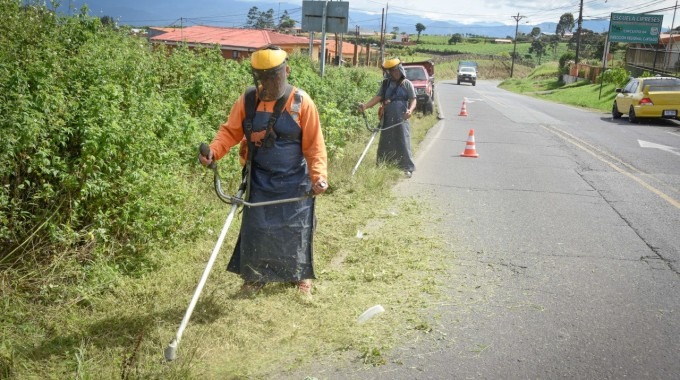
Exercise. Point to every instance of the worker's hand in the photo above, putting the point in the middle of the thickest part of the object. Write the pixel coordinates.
(407, 114)
(361, 107)
(206, 156)
(320, 186)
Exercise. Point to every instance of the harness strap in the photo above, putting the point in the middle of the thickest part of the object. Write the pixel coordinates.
(270, 135)
(385, 85)
(251, 104)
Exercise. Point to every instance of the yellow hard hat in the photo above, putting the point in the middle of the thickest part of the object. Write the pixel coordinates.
(390, 63)
(268, 58)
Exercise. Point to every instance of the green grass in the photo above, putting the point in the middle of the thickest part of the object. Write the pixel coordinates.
(370, 248)
(486, 47)
(522, 49)
(543, 83)
(547, 70)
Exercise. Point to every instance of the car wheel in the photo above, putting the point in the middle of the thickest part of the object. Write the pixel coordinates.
(459, 83)
(428, 108)
(631, 115)
(615, 112)
(474, 83)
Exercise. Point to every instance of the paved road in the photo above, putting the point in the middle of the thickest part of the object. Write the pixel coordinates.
(565, 244)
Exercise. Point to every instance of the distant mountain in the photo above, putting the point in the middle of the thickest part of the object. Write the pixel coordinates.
(234, 14)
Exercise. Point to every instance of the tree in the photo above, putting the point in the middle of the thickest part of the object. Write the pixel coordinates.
(535, 32)
(260, 20)
(566, 24)
(419, 28)
(523, 37)
(554, 43)
(455, 38)
(253, 16)
(395, 31)
(285, 21)
(592, 44)
(266, 20)
(538, 49)
(108, 21)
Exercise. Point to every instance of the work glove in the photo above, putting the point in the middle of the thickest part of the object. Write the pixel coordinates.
(319, 186)
(205, 155)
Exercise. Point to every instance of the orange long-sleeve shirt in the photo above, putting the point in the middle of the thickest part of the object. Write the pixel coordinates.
(313, 145)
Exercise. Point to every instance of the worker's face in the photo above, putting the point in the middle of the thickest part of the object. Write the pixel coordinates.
(394, 72)
(271, 83)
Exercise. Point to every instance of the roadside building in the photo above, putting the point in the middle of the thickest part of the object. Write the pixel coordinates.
(352, 54)
(235, 43)
(663, 57)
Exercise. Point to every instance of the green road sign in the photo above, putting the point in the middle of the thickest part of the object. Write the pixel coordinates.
(635, 28)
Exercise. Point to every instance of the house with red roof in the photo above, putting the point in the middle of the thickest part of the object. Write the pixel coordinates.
(235, 43)
(351, 53)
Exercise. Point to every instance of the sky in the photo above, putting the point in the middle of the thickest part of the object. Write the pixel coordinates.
(494, 12)
(530, 11)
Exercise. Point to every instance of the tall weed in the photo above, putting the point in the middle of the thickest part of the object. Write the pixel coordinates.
(99, 132)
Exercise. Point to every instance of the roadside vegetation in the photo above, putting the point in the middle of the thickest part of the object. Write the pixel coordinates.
(546, 82)
(107, 221)
(487, 47)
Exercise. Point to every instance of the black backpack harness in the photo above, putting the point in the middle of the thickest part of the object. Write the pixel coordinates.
(251, 104)
(385, 85)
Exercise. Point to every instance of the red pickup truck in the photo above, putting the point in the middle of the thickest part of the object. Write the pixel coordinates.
(421, 74)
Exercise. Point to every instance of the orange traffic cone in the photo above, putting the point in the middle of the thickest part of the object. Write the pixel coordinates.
(463, 110)
(470, 150)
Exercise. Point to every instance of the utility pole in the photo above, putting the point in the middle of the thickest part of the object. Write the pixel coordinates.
(323, 39)
(382, 37)
(355, 57)
(578, 33)
(669, 47)
(514, 48)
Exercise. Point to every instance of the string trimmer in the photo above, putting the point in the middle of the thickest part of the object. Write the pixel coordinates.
(236, 201)
(370, 141)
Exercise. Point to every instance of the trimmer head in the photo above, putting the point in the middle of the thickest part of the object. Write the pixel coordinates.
(171, 351)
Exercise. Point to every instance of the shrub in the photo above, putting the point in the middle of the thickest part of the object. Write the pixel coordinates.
(564, 61)
(617, 76)
(98, 134)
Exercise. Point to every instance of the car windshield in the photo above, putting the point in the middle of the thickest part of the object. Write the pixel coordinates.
(467, 70)
(415, 74)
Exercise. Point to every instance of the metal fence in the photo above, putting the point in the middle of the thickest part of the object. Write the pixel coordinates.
(657, 61)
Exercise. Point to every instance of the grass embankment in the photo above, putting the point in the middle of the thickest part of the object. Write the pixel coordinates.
(369, 249)
(543, 82)
(106, 221)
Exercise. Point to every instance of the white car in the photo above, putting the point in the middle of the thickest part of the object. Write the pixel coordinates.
(467, 74)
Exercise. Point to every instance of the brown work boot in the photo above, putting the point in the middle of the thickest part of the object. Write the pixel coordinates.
(305, 287)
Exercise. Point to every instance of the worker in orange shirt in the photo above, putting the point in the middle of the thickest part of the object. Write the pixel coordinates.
(285, 157)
